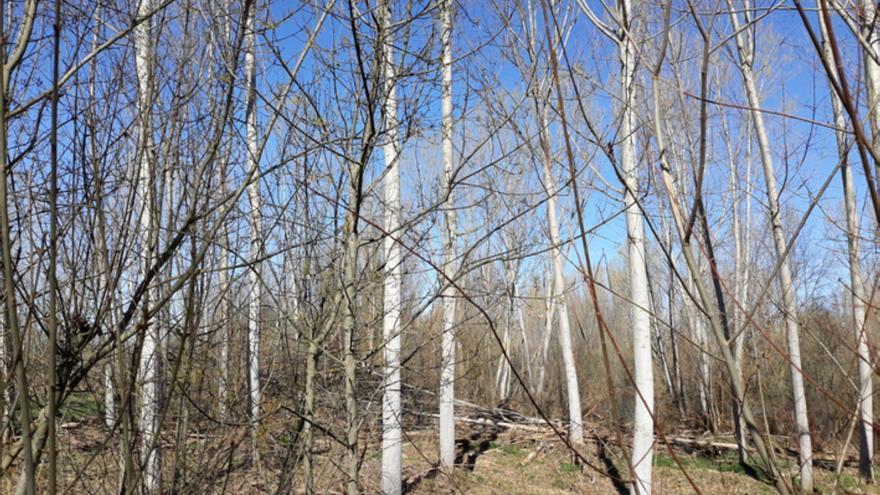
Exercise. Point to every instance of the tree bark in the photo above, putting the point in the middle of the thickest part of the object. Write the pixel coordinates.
(857, 288)
(745, 50)
(256, 217)
(643, 420)
(148, 368)
(391, 326)
(575, 432)
(447, 359)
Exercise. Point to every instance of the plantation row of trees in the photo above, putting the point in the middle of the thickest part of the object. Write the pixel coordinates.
(272, 242)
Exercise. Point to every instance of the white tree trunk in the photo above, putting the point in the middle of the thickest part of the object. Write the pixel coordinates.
(503, 372)
(549, 309)
(526, 348)
(101, 251)
(858, 294)
(254, 303)
(868, 15)
(149, 359)
(698, 329)
(575, 432)
(737, 324)
(226, 335)
(391, 408)
(859, 302)
(447, 360)
(643, 422)
(789, 304)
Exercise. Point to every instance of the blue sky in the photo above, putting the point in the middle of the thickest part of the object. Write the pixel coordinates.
(804, 154)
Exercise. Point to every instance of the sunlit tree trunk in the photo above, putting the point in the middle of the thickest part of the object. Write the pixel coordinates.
(858, 294)
(740, 278)
(148, 369)
(575, 432)
(678, 377)
(714, 313)
(503, 372)
(310, 335)
(643, 421)
(225, 330)
(106, 301)
(447, 344)
(309, 411)
(391, 408)
(549, 310)
(868, 16)
(745, 49)
(255, 270)
(349, 322)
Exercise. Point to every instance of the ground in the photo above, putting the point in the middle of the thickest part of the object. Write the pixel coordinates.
(509, 461)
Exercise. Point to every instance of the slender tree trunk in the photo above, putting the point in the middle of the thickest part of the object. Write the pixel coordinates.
(310, 334)
(868, 15)
(698, 329)
(714, 312)
(226, 327)
(739, 350)
(348, 325)
(857, 288)
(256, 217)
(309, 412)
(503, 373)
(789, 304)
(391, 407)
(526, 348)
(549, 310)
(447, 345)
(53, 260)
(737, 322)
(643, 421)
(149, 357)
(680, 391)
(575, 432)
(11, 310)
(664, 363)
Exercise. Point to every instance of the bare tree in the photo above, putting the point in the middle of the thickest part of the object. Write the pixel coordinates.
(148, 369)
(643, 420)
(745, 46)
(858, 295)
(447, 360)
(391, 407)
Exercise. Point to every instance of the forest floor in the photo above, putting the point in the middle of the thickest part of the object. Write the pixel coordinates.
(494, 461)
(499, 452)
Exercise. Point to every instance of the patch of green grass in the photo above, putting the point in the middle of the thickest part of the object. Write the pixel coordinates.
(513, 450)
(848, 483)
(80, 406)
(720, 464)
(477, 478)
(663, 460)
(559, 484)
(568, 468)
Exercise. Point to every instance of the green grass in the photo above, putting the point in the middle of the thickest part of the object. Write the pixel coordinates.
(848, 483)
(568, 468)
(663, 460)
(513, 450)
(560, 484)
(81, 406)
(722, 464)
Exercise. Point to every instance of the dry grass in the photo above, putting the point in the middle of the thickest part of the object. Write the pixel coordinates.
(514, 463)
